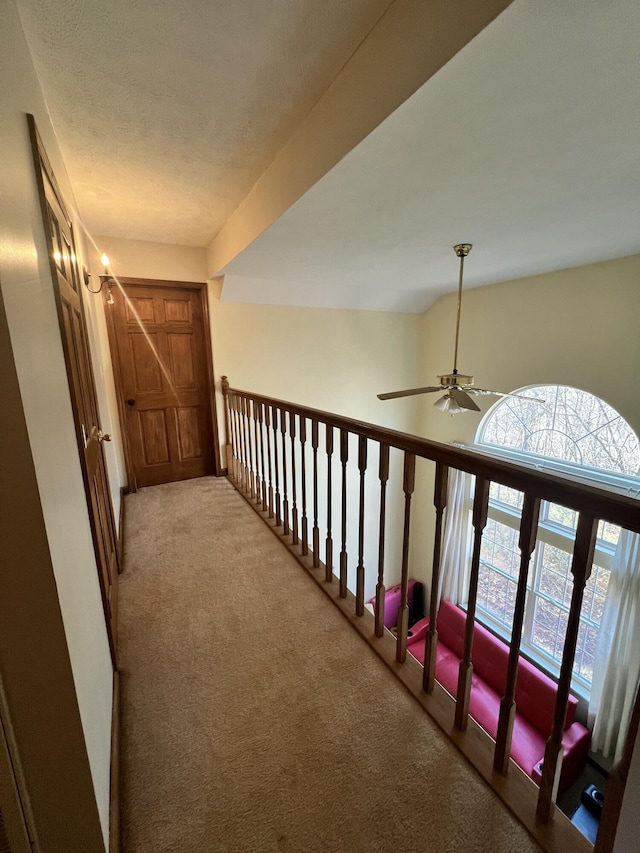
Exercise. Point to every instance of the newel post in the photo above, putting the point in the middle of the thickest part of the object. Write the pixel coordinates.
(224, 382)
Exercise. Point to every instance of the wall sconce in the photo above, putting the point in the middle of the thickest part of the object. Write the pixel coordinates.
(104, 279)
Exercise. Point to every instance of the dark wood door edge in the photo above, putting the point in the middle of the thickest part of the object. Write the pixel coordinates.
(121, 522)
(201, 287)
(114, 793)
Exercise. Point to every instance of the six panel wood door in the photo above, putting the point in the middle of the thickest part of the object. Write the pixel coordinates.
(159, 334)
(73, 330)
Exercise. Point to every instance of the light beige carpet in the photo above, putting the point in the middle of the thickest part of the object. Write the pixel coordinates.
(255, 719)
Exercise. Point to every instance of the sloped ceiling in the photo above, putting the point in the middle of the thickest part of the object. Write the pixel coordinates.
(526, 143)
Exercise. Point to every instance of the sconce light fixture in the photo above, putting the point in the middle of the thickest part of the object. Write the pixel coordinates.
(107, 279)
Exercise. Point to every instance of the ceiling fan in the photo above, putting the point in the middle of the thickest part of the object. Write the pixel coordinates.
(459, 386)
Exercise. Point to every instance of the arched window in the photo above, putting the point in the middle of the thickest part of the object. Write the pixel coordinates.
(573, 433)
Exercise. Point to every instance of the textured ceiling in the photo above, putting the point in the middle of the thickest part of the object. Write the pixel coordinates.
(167, 113)
(526, 144)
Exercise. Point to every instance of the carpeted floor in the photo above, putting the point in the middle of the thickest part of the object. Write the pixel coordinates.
(255, 719)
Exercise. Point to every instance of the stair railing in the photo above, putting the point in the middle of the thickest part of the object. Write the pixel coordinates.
(253, 422)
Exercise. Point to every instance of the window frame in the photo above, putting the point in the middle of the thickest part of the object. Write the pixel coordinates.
(550, 532)
(553, 534)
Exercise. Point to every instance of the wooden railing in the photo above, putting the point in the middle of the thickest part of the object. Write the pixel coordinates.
(274, 477)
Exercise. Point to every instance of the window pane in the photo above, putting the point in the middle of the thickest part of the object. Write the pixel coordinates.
(608, 532)
(549, 628)
(563, 515)
(555, 576)
(571, 425)
(585, 652)
(505, 495)
(498, 595)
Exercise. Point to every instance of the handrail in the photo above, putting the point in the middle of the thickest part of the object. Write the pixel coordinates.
(555, 488)
(248, 415)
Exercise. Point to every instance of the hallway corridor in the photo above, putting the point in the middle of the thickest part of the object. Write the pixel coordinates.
(254, 719)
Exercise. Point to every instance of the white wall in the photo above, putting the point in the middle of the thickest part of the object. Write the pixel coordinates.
(35, 338)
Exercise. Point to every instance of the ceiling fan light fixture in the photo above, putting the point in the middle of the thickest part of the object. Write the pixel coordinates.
(448, 404)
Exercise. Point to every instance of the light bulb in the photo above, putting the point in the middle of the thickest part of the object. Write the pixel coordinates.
(104, 260)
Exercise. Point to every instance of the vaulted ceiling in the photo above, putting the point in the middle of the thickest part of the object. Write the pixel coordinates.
(186, 124)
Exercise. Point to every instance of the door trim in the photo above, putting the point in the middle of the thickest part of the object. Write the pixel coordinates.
(42, 168)
(201, 288)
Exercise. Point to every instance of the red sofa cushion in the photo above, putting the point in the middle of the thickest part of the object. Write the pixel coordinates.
(535, 692)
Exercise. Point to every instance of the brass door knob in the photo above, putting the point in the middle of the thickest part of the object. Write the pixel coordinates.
(103, 436)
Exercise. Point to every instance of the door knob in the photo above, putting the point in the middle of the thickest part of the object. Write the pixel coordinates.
(131, 402)
(103, 436)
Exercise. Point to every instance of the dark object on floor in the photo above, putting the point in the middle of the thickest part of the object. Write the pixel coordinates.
(586, 817)
(593, 799)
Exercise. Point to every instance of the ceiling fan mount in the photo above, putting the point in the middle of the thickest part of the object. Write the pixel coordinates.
(459, 386)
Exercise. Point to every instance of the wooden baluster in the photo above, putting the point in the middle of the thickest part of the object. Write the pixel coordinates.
(294, 481)
(480, 509)
(244, 479)
(344, 458)
(329, 543)
(303, 465)
(224, 383)
(256, 417)
(583, 549)
(276, 466)
(267, 423)
(316, 529)
(362, 467)
(232, 464)
(247, 423)
(408, 487)
(431, 644)
(616, 784)
(383, 473)
(285, 497)
(263, 479)
(526, 543)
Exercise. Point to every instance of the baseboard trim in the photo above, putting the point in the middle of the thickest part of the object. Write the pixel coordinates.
(114, 795)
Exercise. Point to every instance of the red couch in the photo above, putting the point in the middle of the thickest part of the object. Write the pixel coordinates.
(535, 693)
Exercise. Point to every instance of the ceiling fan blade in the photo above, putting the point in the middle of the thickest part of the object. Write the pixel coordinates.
(463, 399)
(481, 391)
(409, 392)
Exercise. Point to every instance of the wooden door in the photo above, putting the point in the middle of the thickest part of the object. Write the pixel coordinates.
(66, 280)
(161, 343)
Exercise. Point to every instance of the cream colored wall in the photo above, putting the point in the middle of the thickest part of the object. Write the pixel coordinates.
(574, 327)
(57, 511)
(140, 259)
(333, 360)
